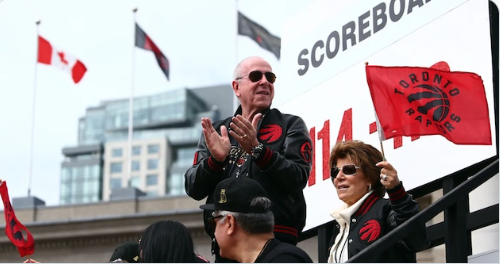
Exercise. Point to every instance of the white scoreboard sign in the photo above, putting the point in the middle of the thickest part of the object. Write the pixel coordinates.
(324, 50)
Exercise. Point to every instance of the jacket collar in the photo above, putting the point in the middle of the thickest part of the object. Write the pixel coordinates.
(239, 111)
(367, 204)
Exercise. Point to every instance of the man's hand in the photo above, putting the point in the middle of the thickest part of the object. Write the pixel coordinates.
(245, 132)
(218, 145)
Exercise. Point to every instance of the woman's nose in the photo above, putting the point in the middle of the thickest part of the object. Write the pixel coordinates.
(340, 176)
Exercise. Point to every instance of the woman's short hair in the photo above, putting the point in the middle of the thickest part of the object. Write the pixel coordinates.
(362, 155)
(167, 242)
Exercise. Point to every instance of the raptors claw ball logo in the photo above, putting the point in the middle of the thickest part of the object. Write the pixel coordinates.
(433, 99)
(270, 133)
(305, 151)
(370, 231)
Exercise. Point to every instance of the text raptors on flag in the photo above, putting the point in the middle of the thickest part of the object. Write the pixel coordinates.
(414, 101)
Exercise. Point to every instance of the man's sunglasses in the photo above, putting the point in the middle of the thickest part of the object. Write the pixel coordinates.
(211, 221)
(348, 170)
(256, 76)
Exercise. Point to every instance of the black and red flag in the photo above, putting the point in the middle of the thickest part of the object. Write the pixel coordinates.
(259, 34)
(143, 41)
(14, 228)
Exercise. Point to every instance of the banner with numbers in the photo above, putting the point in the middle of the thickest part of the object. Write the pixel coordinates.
(323, 56)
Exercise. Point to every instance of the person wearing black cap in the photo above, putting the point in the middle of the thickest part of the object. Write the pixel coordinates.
(243, 225)
(126, 252)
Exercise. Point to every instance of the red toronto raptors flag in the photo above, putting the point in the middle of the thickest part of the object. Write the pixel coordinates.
(51, 55)
(415, 101)
(14, 228)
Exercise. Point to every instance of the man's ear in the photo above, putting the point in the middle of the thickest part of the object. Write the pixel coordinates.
(236, 88)
(230, 224)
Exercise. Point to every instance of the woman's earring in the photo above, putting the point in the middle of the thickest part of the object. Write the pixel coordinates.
(370, 187)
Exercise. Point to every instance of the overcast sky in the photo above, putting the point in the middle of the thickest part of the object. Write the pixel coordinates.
(197, 36)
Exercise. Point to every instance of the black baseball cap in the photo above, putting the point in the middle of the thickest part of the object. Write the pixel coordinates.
(128, 251)
(236, 195)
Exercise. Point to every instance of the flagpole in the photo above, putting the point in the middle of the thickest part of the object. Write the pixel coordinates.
(131, 113)
(30, 174)
(381, 136)
(382, 150)
(235, 99)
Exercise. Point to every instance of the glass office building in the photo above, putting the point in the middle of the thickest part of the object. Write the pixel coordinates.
(172, 116)
(81, 174)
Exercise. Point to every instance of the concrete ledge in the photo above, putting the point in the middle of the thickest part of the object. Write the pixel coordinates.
(129, 193)
(27, 202)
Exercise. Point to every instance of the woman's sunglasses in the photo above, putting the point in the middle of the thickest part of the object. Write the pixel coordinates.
(348, 170)
(256, 76)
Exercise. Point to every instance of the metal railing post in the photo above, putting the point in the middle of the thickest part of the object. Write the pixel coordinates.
(457, 237)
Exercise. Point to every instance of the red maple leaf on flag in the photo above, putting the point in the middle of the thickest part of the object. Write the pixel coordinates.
(61, 57)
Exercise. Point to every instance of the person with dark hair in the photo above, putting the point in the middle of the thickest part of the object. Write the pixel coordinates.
(126, 253)
(167, 242)
(361, 178)
(243, 225)
(258, 142)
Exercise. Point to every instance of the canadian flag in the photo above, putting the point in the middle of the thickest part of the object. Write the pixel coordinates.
(50, 55)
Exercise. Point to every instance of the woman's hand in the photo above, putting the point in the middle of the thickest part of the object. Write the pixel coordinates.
(388, 175)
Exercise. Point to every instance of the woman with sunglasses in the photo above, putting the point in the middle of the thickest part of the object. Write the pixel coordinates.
(361, 179)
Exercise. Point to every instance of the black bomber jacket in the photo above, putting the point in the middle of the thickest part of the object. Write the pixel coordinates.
(378, 216)
(282, 169)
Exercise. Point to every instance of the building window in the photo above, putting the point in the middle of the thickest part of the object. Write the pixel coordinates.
(153, 149)
(176, 184)
(152, 179)
(66, 174)
(135, 181)
(136, 150)
(152, 164)
(116, 167)
(185, 156)
(186, 153)
(117, 152)
(80, 184)
(115, 183)
(152, 193)
(135, 165)
(65, 190)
